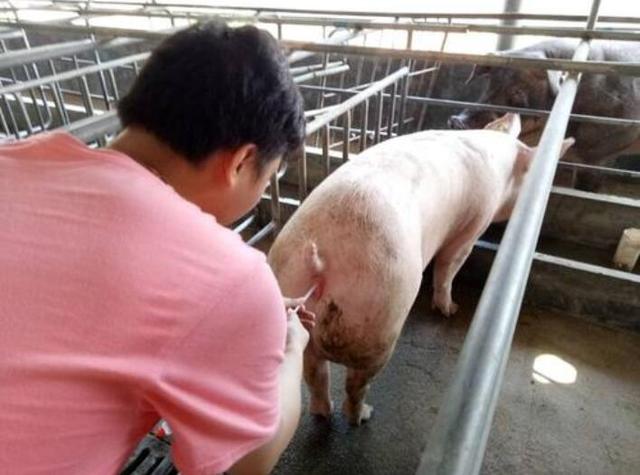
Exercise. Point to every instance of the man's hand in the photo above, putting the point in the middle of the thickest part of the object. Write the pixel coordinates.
(299, 323)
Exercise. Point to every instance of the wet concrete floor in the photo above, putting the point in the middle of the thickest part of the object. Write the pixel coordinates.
(579, 414)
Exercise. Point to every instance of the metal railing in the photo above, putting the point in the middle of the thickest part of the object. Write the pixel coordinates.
(459, 437)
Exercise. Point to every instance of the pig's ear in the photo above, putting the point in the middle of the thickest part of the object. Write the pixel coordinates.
(508, 123)
(555, 79)
(523, 159)
(566, 145)
(477, 71)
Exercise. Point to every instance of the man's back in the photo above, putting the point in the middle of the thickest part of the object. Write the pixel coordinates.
(110, 317)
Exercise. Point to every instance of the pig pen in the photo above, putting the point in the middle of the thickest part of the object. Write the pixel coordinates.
(570, 384)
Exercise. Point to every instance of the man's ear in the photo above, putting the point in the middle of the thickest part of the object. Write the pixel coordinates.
(238, 161)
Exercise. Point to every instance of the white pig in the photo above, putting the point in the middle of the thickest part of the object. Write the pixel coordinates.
(367, 232)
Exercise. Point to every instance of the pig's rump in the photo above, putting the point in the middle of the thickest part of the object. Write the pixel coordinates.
(371, 264)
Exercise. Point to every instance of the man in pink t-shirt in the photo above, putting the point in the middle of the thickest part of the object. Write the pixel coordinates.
(124, 299)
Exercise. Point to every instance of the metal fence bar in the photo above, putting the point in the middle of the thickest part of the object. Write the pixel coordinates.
(358, 13)
(346, 137)
(340, 36)
(570, 65)
(57, 77)
(458, 439)
(365, 125)
(313, 67)
(341, 21)
(477, 105)
(302, 174)
(321, 73)
(380, 104)
(40, 53)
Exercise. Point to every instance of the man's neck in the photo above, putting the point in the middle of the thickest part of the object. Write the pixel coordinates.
(148, 151)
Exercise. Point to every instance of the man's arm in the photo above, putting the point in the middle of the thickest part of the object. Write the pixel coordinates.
(264, 458)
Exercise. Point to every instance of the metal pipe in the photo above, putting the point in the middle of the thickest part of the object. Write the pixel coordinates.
(392, 110)
(432, 82)
(403, 104)
(326, 140)
(44, 122)
(341, 21)
(339, 36)
(276, 216)
(346, 137)
(459, 436)
(40, 53)
(321, 73)
(84, 91)
(380, 103)
(372, 22)
(365, 125)
(570, 65)
(422, 71)
(476, 105)
(302, 174)
(313, 67)
(263, 233)
(506, 41)
(370, 13)
(57, 77)
(244, 224)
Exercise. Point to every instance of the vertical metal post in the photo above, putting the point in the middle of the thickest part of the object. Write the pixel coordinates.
(302, 174)
(44, 123)
(392, 110)
(432, 81)
(506, 41)
(101, 78)
(25, 113)
(364, 126)
(114, 85)
(378, 118)
(326, 158)
(276, 217)
(58, 97)
(403, 104)
(84, 89)
(346, 140)
(459, 437)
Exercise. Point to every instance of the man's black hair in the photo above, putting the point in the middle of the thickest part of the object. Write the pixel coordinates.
(211, 87)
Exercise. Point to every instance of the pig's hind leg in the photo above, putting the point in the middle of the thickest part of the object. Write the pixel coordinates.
(317, 377)
(357, 385)
(448, 262)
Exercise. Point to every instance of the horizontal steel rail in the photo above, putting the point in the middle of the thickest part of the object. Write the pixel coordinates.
(594, 119)
(26, 56)
(72, 74)
(569, 65)
(182, 10)
(366, 13)
(321, 73)
(341, 22)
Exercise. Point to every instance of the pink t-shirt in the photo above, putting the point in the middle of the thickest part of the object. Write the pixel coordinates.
(121, 303)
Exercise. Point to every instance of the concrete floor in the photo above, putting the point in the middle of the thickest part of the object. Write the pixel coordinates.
(591, 426)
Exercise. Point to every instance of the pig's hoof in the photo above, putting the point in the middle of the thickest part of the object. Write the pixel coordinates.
(447, 307)
(321, 408)
(357, 417)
